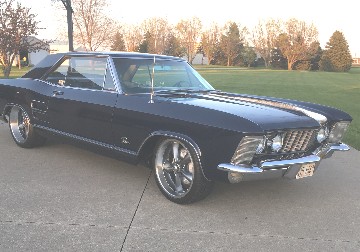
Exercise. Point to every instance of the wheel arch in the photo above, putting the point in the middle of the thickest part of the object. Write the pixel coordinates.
(146, 150)
(7, 110)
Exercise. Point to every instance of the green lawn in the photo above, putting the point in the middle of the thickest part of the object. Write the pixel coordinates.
(16, 72)
(340, 90)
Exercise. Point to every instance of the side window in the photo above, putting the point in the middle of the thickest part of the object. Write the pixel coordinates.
(58, 76)
(109, 83)
(82, 72)
(142, 76)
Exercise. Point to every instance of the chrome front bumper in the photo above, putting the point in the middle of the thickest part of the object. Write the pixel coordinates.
(280, 168)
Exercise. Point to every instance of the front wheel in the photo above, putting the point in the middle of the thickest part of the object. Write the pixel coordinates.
(22, 130)
(178, 172)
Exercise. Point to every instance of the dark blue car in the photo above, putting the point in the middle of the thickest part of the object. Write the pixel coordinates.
(158, 110)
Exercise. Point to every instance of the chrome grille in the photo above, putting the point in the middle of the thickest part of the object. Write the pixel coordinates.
(298, 140)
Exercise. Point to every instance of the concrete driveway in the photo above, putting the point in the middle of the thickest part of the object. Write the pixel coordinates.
(62, 198)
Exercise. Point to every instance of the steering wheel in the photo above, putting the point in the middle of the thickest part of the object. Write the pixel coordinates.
(182, 84)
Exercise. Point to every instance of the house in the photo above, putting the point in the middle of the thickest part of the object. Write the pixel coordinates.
(32, 58)
(200, 59)
(59, 46)
(356, 61)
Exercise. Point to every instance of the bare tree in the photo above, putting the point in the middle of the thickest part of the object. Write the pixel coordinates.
(159, 28)
(295, 42)
(92, 28)
(17, 24)
(132, 37)
(189, 31)
(264, 38)
(209, 41)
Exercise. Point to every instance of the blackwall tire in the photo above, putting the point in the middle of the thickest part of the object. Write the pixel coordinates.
(22, 130)
(178, 172)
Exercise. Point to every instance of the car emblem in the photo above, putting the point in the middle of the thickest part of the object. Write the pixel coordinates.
(124, 140)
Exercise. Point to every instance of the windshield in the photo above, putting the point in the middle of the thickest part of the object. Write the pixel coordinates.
(136, 75)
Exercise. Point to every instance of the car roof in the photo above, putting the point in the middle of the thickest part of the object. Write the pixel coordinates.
(43, 66)
(125, 54)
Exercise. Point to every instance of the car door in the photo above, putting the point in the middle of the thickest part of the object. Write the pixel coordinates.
(83, 99)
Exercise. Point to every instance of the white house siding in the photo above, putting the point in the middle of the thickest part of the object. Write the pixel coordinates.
(200, 59)
(59, 47)
(36, 57)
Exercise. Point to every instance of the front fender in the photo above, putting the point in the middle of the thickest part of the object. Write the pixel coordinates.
(151, 140)
(5, 113)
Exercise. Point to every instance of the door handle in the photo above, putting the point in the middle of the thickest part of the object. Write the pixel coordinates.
(57, 92)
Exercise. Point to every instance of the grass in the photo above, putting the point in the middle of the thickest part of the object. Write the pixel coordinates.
(340, 90)
(16, 72)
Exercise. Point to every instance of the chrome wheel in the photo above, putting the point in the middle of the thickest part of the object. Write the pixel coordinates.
(174, 167)
(22, 130)
(19, 124)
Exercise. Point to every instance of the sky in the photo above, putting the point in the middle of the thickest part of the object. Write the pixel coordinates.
(328, 16)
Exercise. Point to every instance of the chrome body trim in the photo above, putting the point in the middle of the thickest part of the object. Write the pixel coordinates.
(280, 168)
(87, 140)
(328, 150)
(239, 168)
(114, 75)
(282, 163)
(126, 151)
(321, 119)
(78, 88)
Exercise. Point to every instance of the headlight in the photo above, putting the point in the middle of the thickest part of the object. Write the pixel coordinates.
(261, 147)
(337, 132)
(322, 134)
(277, 143)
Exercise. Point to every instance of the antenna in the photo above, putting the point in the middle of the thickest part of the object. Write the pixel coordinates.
(152, 82)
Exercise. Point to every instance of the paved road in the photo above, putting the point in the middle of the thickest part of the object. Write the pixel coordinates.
(62, 198)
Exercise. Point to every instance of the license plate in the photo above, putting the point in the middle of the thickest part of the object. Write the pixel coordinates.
(306, 170)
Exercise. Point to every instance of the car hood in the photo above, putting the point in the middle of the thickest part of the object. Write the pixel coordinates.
(266, 113)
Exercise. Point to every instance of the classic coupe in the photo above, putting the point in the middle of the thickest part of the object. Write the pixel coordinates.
(158, 110)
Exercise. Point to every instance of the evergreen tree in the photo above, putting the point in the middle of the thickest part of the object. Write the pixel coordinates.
(118, 43)
(145, 45)
(248, 56)
(173, 46)
(219, 57)
(231, 43)
(313, 59)
(336, 56)
(316, 57)
(278, 61)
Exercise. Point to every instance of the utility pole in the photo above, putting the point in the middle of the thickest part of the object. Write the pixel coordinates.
(69, 10)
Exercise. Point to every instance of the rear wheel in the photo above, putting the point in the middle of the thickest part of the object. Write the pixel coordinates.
(178, 172)
(22, 130)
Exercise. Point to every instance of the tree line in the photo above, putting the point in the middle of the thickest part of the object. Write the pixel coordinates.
(291, 44)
